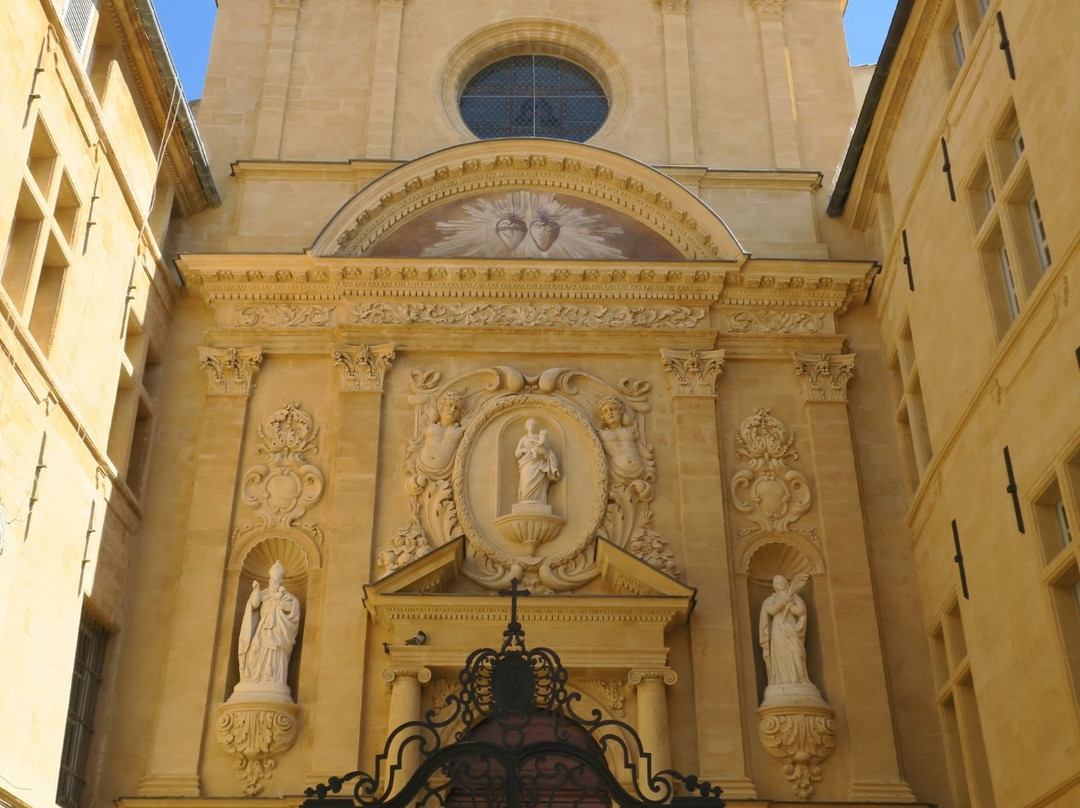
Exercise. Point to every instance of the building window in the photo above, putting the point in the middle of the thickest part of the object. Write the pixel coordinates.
(1057, 510)
(133, 411)
(958, 45)
(911, 412)
(1010, 233)
(42, 238)
(1038, 231)
(85, 684)
(958, 707)
(534, 95)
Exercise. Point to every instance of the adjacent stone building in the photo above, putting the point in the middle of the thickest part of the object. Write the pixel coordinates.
(769, 402)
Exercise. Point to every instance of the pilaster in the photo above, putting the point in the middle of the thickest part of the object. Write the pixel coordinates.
(381, 104)
(682, 148)
(778, 82)
(284, 21)
(692, 376)
(336, 712)
(173, 768)
(865, 701)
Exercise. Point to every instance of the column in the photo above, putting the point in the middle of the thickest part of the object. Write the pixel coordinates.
(279, 56)
(778, 82)
(652, 716)
(173, 767)
(336, 710)
(692, 376)
(380, 123)
(858, 654)
(678, 82)
(404, 685)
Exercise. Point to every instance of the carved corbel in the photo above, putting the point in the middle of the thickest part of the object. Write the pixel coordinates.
(230, 371)
(825, 377)
(801, 735)
(363, 367)
(769, 9)
(257, 733)
(693, 372)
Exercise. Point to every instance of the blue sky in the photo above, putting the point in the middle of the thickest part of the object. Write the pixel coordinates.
(188, 25)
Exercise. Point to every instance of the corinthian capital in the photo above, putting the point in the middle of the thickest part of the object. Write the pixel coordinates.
(230, 371)
(769, 9)
(692, 372)
(824, 376)
(363, 367)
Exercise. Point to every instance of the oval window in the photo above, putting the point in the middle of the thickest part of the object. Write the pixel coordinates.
(534, 96)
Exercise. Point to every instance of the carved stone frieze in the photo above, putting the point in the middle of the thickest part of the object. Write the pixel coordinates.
(285, 487)
(825, 376)
(441, 691)
(230, 371)
(363, 367)
(256, 733)
(802, 736)
(468, 461)
(693, 372)
(768, 491)
(531, 315)
(283, 315)
(769, 9)
(775, 322)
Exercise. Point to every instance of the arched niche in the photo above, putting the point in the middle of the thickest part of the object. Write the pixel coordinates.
(258, 555)
(598, 197)
(780, 556)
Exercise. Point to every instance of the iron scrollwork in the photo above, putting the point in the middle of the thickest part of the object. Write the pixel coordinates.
(522, 744)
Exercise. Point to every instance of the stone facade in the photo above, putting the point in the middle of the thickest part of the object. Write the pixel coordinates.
(706, 423)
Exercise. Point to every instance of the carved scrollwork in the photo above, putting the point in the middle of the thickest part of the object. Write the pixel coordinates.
(230, 371)
(281, 315)
(532, 315)
(775, 322)
(826, 377)
(692, 372)
(768, 491)
(803, 737)
(286, 486)
(256, 733)
(602, 427)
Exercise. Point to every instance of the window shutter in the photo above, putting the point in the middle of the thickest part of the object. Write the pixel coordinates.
(78, 14)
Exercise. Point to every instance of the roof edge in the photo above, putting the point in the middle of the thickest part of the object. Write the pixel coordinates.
(185, 119)
(874, 93)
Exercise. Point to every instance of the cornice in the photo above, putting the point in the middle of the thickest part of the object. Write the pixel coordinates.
(830, 286)
(361, 171)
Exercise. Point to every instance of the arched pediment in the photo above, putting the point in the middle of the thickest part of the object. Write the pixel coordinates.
(528, 199)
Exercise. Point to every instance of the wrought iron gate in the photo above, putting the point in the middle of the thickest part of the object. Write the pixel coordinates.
(513, 737)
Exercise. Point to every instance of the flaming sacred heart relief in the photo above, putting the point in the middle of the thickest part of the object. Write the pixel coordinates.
(511, 230)
(544, 232)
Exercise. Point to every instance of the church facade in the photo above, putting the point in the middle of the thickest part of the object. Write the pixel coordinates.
(639, 307)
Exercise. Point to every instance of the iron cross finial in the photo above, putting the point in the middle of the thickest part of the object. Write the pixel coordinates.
(514, 592)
